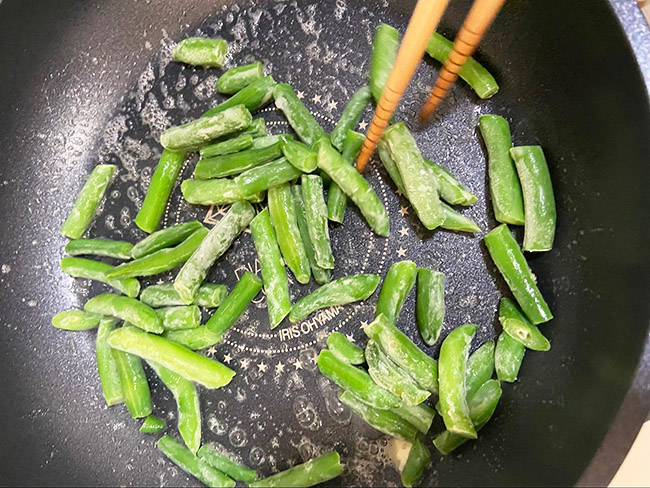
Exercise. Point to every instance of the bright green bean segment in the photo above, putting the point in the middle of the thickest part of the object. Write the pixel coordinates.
(253, 97)
(99, 247)
(128, 309)
(135, 387)
(316, 214)
(517, 326)
(398, 283)
(345, 350)
(107, 365)
(165, 238)
(239, 77)
(234, 164)
(199, 51)
(219, 461)
(420, 416)
(337, 200)
(98, 271)
(321, 275)
(152, 425)
(194, 339)
(450, 189)
(246, 289)
(418, 460)
(430, 304)
(219, 191)
(313, 472)
(350, 116)
(75, 320)
(384, 52)
(299, 155)
(266, 176)
(180, 317)
(256, 129)
(209, 295)
(480, 367)
(300, 119)
(228, 146)
(266, 141)
(457, 221)
(508, 356)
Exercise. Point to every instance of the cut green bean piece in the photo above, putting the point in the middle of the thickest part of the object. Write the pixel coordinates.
(165, 238)
(135, 387)
(219, 191)
(228, 146)
(384, 52)
(107, 365)
(337, 200)
(512, 265)
(341, 291)
(152, 425)
(209, 295)
(508, 356)
(398, 283)
(179, 359)
(300, 119)
(299, 155)
(189, 408)
(430, 304)
(261, 142)
(539, 201)
(234, 164)
(126, 308)
(350, 116)
(199, 51)
(316, 214)
(98, 271)
(180, 317)
(517, 326)
(160, 187)
(75, 320)
(420, 416)
(480, 367)
(419, 459)
(219, 461)
(99, 247)
(161, 260)
(457, 221)
(474, 74)
(449, 188)
(253, 97)
(274, 276)
(505, 189)
(321, 275)
(390, 377)
(266, 176)
(384, 421)
(256, 129)
(85, 206)
(313, 472)
(345, 350)
(200, 132)
(282, 210)
(356, 381)
(403, 352)
(194, 339)
(192, 464)
(239, 77)
(354, 186)
(243, 293)
(215, 244)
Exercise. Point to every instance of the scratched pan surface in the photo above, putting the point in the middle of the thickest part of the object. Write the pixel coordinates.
(92, 82)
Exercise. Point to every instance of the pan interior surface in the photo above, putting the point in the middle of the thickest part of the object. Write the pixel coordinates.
(90, 94)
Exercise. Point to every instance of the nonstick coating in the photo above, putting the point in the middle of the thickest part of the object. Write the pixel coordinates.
(90, 82)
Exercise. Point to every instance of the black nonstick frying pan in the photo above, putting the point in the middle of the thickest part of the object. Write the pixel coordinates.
(89, 82)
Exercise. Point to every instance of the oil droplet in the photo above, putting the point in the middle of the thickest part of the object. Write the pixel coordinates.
(237, 437)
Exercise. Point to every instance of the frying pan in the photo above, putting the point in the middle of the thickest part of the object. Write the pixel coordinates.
(89, 82)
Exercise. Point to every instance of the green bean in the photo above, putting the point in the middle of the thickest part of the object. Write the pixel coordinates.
(350, 116)
(481, 407)
(254, 96)
(200, 132)
(194, 339)
(480, 367)
(419, 180)
(315, 471)
(300, 119)
(239, 77)
(219, 461)
(508, 356)
(316, 217)
(161, 260)
(99, 247)
(219, 191)
(397, 285)
(234, 164)
(192, 464)
(451, 378)
(299, 155)
(474, 74)
(152, 425)
(384, 52)
(403, 352)
(274, 276)
(75, 320)
(384, 421)
(390, 166)
(209, 295)
(98, 271)
(160, 187)
(337, 200)
(321, 275)
(505, 189)
(179, 359)
(189, 408)
(165, 238)
(261, 142)
(456, 221)
(107, 366)
(390, 377)
(539, 201)
(199, 51)
(356, 381)
(180, 317)
(420, 416)
(418, 460)
(341, 291)
(354, 186)
(266, 176)
(256, 129)
(85, 206)
(513, 267)
(127, 309)
(517, 326)
(243, 293)
(344, 350)
(133, 380)
(215, 244)
(430, 304)
(228, 146)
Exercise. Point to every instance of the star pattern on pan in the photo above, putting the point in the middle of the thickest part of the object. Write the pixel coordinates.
(404, 210)
(316, 99)
(401, 252)
(363, 125)
(332, 105)
(300, 94)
